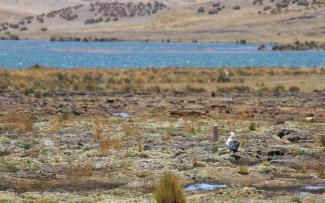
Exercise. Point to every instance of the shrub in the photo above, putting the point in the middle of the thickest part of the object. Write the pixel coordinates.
(201, 10)
(169, 190)
(279, 88)
(252, 127)
(243, 170)
(36, 66)
(242, 41)
(294, 89)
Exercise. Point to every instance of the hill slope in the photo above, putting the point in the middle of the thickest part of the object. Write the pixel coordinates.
(185, 20)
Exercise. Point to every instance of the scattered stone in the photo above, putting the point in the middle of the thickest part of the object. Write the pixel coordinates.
(284, 132)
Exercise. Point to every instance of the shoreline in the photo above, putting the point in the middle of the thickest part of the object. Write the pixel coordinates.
(295, 46)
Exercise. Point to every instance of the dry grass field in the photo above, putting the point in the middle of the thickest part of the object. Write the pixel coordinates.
(145, 135)
(38, 79)
(159, 135)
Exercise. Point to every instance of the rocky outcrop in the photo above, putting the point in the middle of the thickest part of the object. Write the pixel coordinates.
(292, 135)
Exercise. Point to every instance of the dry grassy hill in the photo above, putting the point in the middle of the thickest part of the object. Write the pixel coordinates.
(186, 20)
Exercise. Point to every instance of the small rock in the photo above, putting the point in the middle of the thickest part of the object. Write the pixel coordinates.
(284, 132)
(262, 47)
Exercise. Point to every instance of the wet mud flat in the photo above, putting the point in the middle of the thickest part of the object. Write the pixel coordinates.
(99, 146)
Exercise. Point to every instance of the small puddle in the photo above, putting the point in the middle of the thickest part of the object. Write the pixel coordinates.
(312, 189)
(122, 114)
(205, 186)
(302, 191)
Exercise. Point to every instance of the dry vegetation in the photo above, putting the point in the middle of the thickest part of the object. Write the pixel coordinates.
(106, 134)
(39, 80)
(169, 190)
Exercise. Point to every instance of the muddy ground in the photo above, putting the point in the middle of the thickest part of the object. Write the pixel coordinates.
(105, 147)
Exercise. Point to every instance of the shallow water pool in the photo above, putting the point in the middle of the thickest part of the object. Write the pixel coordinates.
(205, 186)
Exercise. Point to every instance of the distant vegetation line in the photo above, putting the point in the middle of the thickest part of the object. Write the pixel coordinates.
(38, 79)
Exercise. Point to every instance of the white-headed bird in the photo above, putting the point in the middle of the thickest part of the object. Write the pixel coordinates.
(232, 143)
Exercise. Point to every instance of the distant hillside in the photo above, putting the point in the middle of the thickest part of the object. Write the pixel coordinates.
(11, 10)
(223, 20)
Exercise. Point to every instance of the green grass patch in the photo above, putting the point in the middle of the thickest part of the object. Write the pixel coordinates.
(9, 166)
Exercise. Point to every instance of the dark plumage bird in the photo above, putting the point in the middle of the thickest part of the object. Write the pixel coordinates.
(232, 143)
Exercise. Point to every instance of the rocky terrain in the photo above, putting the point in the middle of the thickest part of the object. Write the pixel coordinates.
(258, 21)
(81, 135)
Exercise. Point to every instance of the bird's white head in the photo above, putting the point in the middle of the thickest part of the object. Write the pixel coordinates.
(232, 134)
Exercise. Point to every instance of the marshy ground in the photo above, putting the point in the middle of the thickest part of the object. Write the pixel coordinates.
(96, 135)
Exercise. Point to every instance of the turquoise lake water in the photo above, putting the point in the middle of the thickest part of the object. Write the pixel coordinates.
(22, 54)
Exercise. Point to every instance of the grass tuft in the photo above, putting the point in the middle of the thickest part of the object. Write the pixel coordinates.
(322, 140)
(170, 190)
(9, 166)
(243, 170)
(252, 127)
(79, 171)
(296, 199)
(215, 149)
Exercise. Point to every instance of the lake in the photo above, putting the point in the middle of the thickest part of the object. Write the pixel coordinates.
(22, 54)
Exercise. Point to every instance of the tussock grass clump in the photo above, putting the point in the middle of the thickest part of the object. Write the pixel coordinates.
(294, 89)
(140, 146)
(23, 145)
(318, 168)
(243, 170)
(253, 127)
(19, 121)
(296, 199)
(170, 190)
(108, 144)
(9, 166)
(79, 170)
(131, 129)
(215, 149)
(279, 88)
(322, 140)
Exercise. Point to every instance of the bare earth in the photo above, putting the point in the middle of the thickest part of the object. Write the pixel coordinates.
(179, 21)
